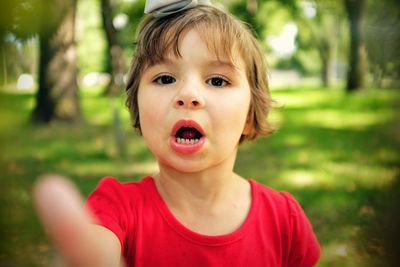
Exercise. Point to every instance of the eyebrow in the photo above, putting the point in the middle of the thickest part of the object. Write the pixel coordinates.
(215, 63)
(222, 63)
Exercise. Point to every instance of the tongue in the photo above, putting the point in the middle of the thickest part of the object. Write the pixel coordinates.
(189, 134)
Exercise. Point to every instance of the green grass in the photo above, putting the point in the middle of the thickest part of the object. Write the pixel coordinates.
(337, 153)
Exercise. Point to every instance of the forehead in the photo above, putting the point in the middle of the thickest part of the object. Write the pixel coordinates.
(220, 45)
(194, 45)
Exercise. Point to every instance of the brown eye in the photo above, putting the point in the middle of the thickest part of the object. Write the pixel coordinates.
(217, 81)
(165, 79)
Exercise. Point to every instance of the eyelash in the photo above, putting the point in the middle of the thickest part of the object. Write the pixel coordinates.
(224, 81)
(158, 80)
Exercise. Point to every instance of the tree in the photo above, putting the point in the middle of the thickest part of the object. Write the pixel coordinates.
(115, 63)
(15, 36)
(382, 39)
(358, 57)
(256, 13)
(54, 23)
(319, 27)
(57, 97)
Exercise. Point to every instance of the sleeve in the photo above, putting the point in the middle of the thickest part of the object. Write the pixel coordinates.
(108, 203)
(304, 249)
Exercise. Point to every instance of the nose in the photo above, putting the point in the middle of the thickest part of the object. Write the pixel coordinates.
(189, 97)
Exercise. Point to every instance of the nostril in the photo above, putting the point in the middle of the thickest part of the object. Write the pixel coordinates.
(195, 103)
(180, 103)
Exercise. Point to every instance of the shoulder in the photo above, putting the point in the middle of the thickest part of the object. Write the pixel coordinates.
(281, 203)
(111, 186)
(115, 196)
(284, 201)
(114, 205)
(301, 244)
(112, 182)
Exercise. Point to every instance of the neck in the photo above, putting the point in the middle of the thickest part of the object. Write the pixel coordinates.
(198, 187)
(212, 202)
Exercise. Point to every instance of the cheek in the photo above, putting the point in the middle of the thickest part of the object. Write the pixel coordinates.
(231, 116)
(145, 111)
(149, 117)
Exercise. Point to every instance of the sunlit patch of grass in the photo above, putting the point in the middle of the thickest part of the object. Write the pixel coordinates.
(360, 174)
(333, 175)
(304, 98)
(341, 254)
(339, 119)
(299, 178)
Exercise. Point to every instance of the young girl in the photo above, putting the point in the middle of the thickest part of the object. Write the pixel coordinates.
(197, 89)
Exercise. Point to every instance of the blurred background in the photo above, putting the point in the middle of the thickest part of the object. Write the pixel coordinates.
(334, 73)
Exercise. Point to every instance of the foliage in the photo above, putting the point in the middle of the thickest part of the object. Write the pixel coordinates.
(91, 43)
(91, 37)
(336, 153)
(18, 17)
(382, 41)
(135, 14)
(322, 39)
(269, 18)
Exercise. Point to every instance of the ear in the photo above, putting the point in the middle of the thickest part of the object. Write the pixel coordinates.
(247, 126)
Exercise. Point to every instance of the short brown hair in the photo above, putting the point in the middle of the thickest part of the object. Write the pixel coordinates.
(223, 34)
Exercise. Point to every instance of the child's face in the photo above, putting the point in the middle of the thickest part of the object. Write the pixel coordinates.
(196, 91)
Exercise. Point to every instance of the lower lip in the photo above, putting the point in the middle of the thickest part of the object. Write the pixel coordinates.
(186, 148)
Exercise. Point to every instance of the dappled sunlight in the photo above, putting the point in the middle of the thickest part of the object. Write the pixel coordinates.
(337, 139)
(304, 99)
(313, 178)
(337, 119)
(335, 252)
(275, 118)
(117, 170)
(346, 176)
(295, 139)
(361, 174)
(299, 178)
(334, 153)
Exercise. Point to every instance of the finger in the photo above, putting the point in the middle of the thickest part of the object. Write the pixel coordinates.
(60, 208)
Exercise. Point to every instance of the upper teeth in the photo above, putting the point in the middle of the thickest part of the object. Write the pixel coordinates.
(186, 141)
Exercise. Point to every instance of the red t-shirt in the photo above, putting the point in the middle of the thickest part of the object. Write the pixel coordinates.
(276, 231)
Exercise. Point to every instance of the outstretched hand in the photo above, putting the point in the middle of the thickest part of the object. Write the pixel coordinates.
(70, 226)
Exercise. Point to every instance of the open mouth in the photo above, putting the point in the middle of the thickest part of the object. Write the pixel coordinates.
(187, 137)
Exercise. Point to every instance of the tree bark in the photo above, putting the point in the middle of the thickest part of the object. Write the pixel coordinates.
(115, 63)
(4, 65)
(328, 55)
(328, 72)
(358, 56)
(57, 97)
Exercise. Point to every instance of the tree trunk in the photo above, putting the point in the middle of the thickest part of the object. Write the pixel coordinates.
(115, 62)
(328, 55)
(328, 72)
(57, 97)
(358, 56)
(4, 65)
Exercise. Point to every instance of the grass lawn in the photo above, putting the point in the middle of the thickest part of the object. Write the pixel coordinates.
(337, 153)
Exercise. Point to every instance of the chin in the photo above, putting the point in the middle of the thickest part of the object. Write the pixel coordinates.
(182, 165)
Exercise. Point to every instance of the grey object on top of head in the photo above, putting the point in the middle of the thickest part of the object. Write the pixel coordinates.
(162, 8)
